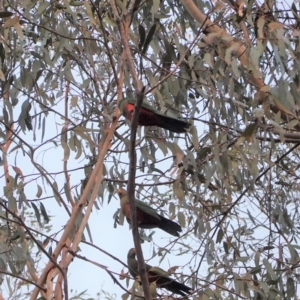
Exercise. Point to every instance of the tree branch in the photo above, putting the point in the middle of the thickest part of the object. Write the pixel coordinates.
(226, 38)
(131, 196)
(23, 279)
(123, 28)
(96, 177)
(238, 48)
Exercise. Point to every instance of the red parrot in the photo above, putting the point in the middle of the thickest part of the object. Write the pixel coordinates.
(147, 217)
(151, 117)
(157, 275)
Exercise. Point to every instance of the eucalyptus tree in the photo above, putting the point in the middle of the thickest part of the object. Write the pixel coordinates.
(228, 68)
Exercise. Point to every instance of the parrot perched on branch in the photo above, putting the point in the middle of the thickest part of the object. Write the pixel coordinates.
(147, 217)
(149, 116)
(155, 274)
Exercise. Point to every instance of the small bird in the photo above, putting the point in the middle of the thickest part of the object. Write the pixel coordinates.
(158, 275)
(149, 116)
(147, 217)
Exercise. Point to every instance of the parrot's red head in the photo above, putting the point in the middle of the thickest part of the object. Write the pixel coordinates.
(126, 108)
(121, 192)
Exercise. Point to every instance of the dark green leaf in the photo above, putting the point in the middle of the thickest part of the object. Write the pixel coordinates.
(255, 270)
(291, 290)
(149, 38)
(142, 33)
(37, 213)
(220, 235)
(44, 213)
(5, 14)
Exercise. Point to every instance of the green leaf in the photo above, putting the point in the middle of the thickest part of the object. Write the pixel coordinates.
(2, 265)
(89, 12)
(291, 289)
(220, 235)
(12, 203)
(294, 254)
(255, 270)
(250, 131)
(82, 132)
(155, 6)
(142, 34)
(270, 269)
(23, 198)
(268, 248)
(5, 14)
(64, 137)
(171, 209)
(43, 129)
(37, 213)
(24, 117)
(44, 213)
(12, 267)
(55, 192)
(149, 38)
(181, 219)
(178, 191)
(39, 192)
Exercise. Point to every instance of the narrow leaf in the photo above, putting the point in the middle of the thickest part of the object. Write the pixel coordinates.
(149, 38)
(44, 213)
(37, 213)
(142, 33)
(181, 219)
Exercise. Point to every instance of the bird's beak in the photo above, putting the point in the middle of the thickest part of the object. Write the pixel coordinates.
(116, 194)
(119, 192)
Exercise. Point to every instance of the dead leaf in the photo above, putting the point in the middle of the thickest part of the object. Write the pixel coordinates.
(275, 25)
(265, 89)
(19, 172)
(11, 22)
(123, 275)
(219, 6)
(240, 10)
(19, 31)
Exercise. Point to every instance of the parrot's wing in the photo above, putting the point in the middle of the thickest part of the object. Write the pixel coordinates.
(147, 209)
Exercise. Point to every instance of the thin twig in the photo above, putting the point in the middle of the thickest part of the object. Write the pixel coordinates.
(65, 269)
(23, 279)
(65, 141)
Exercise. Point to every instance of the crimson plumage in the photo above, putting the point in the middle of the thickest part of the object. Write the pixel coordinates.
(149, 116)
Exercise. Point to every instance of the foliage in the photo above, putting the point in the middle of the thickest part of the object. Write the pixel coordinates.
(230, 68)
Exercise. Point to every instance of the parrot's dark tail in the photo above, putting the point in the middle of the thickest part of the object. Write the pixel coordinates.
(175, 125)
(169, 226)
(178, 288)
(173, 286)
